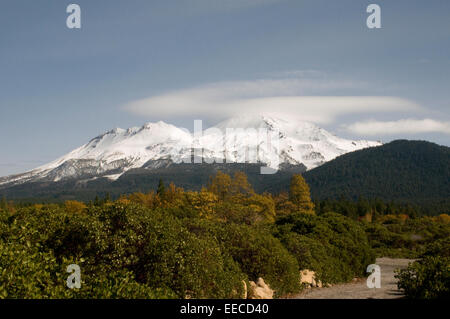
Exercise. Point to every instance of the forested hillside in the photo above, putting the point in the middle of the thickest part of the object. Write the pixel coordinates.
(188, 176)
(414, 172)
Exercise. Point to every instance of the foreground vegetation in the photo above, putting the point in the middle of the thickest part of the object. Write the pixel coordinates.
(428, 277)
(204, 244)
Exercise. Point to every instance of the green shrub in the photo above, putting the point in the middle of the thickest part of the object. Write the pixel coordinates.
(332, 245)
(427, 278)
(256, 251)
(405, 240)
(25, 272)
(440, 247)
(148, 254)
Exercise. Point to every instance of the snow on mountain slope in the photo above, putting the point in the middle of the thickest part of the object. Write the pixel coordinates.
(299, 142)
(160, 144)
(135, 146)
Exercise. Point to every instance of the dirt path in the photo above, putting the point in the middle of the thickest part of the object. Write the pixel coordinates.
(358, 289)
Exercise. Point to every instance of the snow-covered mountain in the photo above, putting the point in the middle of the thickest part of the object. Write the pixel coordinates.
(160, 144)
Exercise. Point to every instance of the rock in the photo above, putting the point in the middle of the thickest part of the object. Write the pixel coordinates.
(244, 294)
(308, 277)
(260, 290)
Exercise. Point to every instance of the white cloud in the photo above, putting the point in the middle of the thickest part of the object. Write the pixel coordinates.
(405, 126)
(288, 96)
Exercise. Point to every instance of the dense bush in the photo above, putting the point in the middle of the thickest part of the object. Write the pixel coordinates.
(30, 269)
(257, 252)
(426, 279)
(408, 238)
(332, 245)
(440, 247)
(27, 273)
(123, 250)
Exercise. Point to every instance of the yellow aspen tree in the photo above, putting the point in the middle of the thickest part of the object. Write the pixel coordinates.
(300, 196)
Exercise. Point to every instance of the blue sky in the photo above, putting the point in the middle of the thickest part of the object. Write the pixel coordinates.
(138, 61)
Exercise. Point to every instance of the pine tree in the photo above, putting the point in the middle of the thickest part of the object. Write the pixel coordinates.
(96, 201)
(299, 194)
(3, 203)
(161, 188)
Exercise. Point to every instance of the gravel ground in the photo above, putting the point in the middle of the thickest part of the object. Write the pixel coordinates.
(358, 288)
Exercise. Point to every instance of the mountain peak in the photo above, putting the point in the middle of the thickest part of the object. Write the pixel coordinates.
(255, 120)
(158, 124)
